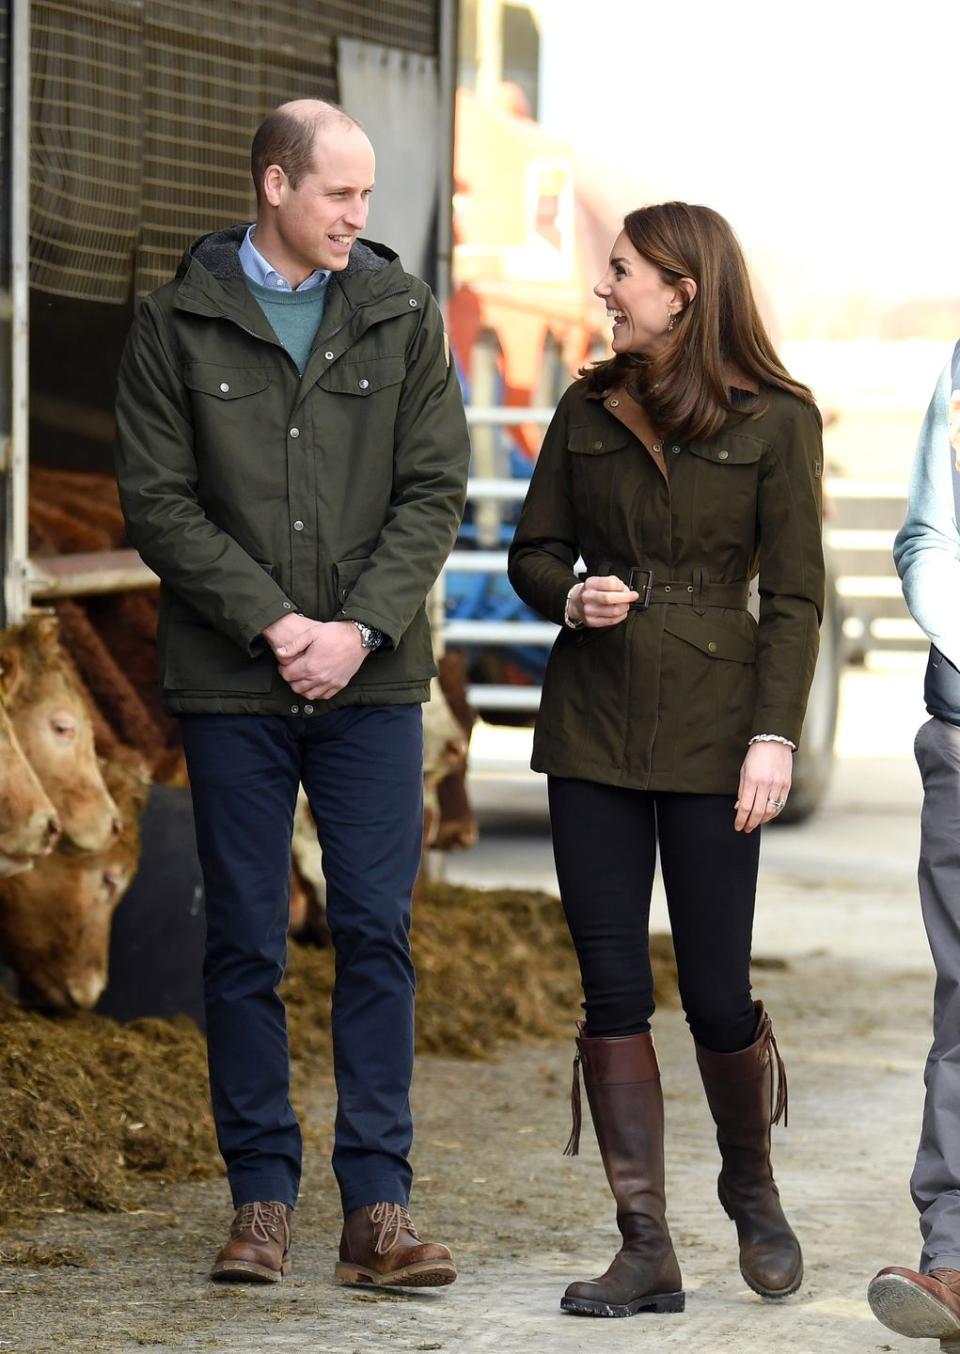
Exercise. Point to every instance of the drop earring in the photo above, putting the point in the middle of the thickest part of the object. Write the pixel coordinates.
(672, 325)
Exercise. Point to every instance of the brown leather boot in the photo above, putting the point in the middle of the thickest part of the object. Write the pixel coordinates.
(739, 1089)
(379, 1245)
(623, 1087)
(258, 1249)
(923, 1305)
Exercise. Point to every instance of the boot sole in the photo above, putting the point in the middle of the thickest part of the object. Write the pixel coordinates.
(424, 1274)
(246, 1271)
(901, 1306)
(657, 1302)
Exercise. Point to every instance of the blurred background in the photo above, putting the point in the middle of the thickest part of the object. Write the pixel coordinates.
(511, 139)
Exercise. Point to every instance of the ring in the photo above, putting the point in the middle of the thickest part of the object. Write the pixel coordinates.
(777, 803)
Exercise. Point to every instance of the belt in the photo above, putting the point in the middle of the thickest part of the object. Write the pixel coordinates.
(697, 592)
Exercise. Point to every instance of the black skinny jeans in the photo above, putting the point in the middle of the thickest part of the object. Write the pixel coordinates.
(605, 846)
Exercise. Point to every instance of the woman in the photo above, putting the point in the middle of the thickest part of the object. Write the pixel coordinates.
(677, 471)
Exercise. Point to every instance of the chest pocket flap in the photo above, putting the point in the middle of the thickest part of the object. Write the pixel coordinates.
(226, 383)
(730, 449)
(596, 441)
(363, 377)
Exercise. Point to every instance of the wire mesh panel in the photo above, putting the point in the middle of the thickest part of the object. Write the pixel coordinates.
(409, 24)
(201, 95)
(143, 112)
(85, 142)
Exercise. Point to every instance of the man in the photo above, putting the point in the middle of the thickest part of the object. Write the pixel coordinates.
(927, 554)
(292, 459)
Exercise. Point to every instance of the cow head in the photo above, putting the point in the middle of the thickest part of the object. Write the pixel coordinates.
(49, 711)
(55, 920)
(28, 822)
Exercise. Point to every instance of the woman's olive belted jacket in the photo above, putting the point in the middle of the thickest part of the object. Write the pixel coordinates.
(669, 699)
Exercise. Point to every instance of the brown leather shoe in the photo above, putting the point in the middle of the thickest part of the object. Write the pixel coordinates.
(923, 1305)
(379, 1245)
(258, 1249)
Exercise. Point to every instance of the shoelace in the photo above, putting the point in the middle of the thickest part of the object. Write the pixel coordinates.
(392, 1219)
(263, 1220)
(950, 1278)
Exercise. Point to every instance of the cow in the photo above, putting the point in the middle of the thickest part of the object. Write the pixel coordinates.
(28, 821)
(51, 718)
(55, 919)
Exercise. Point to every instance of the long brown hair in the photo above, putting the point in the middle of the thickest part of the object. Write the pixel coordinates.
(684, 387)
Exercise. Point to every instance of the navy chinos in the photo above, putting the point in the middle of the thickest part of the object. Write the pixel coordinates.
(361, 767)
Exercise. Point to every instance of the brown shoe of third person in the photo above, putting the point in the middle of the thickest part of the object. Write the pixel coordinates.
(258, 1248)
(923, 1305)
(380, 1245)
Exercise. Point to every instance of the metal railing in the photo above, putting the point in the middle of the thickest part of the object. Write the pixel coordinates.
(491, 491)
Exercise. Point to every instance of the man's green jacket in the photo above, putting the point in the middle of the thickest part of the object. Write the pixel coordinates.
(254, 492)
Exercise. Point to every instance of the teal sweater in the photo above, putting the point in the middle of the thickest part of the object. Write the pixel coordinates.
(294, 316)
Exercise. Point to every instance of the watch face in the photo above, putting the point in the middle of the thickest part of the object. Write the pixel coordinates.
(369, 638)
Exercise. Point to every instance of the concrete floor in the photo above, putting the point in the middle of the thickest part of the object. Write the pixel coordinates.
(850, 989)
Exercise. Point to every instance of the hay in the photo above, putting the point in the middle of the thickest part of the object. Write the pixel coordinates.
(90, 1106)
(91, 1109)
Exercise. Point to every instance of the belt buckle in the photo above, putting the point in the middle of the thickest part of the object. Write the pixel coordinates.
(646, 592)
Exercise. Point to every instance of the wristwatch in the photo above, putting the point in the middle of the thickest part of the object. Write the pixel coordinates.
(369, 637)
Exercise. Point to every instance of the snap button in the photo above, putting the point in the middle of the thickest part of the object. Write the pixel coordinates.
(294, 432)
(598, 446)
(724, 455)
(364, 384)
(674, 450)
(614, 404)
(329, 356)
(308, 709)
(666, 587)
(224, 386)
(298, 525)
(294, 709)
(288, 606)
(414, 302)
(689, 587)
(712, 646)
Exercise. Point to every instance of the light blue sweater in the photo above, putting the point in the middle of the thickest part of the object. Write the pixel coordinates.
(927, 549)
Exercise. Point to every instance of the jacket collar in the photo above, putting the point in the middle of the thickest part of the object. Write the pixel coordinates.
(210, 280)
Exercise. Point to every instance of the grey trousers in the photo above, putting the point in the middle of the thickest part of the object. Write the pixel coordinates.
(935, 1183)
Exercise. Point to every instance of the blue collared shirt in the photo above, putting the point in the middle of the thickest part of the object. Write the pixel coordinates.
(927, 548)
(256, 267)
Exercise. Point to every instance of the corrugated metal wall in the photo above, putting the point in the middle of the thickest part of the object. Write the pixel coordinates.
(142, 115)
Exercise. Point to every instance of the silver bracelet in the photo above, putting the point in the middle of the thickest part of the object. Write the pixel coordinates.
(772, 738)
(569, 621)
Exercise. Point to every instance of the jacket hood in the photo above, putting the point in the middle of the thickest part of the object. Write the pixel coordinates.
(219, 254)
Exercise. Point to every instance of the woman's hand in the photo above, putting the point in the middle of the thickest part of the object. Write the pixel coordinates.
(765, 779)
(601, 601)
